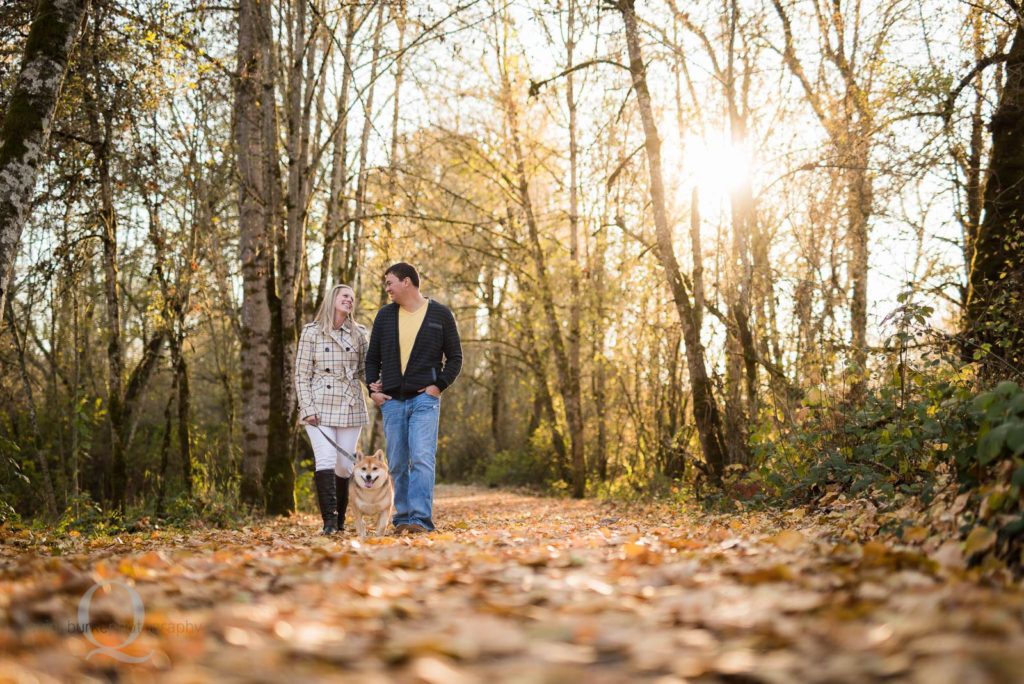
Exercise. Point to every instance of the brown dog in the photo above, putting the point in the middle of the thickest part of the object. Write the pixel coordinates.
(371, 491)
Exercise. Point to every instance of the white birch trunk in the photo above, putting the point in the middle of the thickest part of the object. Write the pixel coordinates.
(26, 123)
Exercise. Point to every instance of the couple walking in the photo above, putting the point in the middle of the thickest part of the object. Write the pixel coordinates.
(412, 355)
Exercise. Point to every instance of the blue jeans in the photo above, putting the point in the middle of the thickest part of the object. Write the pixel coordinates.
(410, 431)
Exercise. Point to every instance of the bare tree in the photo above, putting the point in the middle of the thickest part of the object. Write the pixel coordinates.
(568, 382)
(705, 406)
(849, 115)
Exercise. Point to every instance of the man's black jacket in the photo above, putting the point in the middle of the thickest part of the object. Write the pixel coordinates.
(436, 357)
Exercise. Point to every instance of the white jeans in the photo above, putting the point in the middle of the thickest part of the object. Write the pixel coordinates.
(325, 455)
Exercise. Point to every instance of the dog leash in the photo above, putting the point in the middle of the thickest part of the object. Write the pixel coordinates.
(344, 454)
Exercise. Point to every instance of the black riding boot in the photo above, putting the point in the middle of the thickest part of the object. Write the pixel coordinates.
(342, 484)
(327, 497)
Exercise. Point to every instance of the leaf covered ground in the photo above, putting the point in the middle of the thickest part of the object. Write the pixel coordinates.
(514, 588)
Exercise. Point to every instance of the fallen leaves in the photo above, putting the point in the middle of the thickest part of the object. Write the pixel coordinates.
(980, 540)
(515, 588)
(788, 540)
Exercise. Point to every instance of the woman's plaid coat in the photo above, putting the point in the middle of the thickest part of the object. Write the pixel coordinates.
(330, 370)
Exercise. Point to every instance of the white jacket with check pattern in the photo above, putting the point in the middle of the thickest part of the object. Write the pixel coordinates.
(330, 371)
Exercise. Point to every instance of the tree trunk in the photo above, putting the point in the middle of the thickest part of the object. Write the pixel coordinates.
(337, 204)
(859, 207)
(974, 187)
(494, 299)
(573, 398)
(385, 245)
(279, 475)
(994, 304)
(184, 425)
(27, 121)
(165, 451)
(351, 273)
(279, 469)
(697, 259)
(297, 146)
(546, 297)
(705, 407)
(255, 252)
(100, 116)
(78, 351)
(543, 288)
(543, 402)
(598, 327)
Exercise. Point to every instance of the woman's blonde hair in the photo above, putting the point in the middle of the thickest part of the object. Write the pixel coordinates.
(325, 316)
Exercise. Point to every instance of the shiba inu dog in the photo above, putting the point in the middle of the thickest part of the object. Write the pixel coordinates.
(371, 491)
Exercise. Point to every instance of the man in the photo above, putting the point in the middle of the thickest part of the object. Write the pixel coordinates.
(415, 354)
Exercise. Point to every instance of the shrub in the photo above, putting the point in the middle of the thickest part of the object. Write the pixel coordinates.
(524, 468)
(995, 466)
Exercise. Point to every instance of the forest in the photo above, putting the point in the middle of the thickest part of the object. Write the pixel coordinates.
(731, 257)
(737, 250)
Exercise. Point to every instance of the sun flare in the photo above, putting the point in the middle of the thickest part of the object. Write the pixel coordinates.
(712, 162)
(716, 164)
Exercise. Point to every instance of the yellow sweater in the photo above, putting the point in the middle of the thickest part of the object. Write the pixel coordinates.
(408, 327)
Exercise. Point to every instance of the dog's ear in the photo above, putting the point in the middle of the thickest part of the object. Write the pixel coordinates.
(381, 455)
(360, 455)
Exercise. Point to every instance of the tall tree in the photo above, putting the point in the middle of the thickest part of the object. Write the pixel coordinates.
(568, 384)
(350, 270)
(28, 119)
(848, 111)
(731, 68)
(574, 398)
(255, 249)
(995, 301)
(336, 219)
(107, 102)
(705, 406)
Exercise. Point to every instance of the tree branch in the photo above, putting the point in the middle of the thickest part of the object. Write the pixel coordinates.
(982, 64)
(535, 86)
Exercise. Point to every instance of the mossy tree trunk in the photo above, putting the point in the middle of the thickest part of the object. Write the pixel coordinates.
(26, 123)
(994, 301)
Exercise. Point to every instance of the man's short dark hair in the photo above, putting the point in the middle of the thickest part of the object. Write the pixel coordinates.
(402, 270)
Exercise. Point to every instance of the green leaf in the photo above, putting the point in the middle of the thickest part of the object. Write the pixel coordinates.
(1016, 406)
(991, 444)
(1007, 388)
(1015, 438)
(996, 411)
(983, 401)
(1018, 477)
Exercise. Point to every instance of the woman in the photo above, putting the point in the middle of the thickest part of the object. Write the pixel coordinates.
(330, 368)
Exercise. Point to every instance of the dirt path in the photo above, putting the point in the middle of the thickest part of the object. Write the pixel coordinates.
(509, 589)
